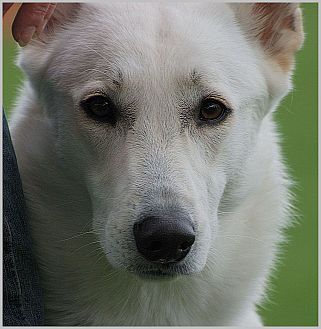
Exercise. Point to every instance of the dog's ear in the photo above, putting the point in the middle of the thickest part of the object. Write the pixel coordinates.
(64, 13)
(277, 27)
(33, 57)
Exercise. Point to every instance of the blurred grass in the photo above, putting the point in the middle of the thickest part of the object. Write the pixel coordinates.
(295, 286)
(12, 76)
(294, 296)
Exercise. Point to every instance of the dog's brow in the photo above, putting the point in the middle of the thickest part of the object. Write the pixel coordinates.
(195, 77)
(114, 79)
(118, 79)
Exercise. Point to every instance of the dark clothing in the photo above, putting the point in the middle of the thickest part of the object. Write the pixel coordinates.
(22, 296)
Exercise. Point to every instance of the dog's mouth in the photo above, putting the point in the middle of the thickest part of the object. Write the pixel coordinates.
(165, 272)
(156, 275)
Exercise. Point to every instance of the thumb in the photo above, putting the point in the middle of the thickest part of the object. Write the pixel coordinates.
(30, 19)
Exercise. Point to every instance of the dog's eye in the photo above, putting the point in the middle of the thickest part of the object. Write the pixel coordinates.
(212, 111)
(99, 107)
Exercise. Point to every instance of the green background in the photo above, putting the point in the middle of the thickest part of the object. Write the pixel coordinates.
(293, 299)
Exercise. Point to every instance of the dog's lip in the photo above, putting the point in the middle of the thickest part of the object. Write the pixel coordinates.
(156, 274)
(161, 272)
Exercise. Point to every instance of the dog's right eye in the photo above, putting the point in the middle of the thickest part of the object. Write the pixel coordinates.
(100, 108)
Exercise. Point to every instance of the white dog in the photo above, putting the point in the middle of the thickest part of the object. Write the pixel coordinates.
(150, 161)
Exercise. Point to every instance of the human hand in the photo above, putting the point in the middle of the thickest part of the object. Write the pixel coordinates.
(31, 18)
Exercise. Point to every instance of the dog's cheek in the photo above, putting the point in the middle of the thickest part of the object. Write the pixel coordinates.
(117, 240)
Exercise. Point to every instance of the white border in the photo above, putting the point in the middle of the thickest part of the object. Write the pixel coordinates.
(319, 165)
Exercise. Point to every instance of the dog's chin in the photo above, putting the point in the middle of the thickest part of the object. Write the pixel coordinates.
(162, 273)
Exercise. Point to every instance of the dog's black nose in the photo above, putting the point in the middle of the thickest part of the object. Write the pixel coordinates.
(164, 240)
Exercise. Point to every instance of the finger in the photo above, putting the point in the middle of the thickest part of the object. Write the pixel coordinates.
(31, 18)
(5, 7)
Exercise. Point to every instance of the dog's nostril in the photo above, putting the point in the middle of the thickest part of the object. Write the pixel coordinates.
(155, 246)
(186, 245)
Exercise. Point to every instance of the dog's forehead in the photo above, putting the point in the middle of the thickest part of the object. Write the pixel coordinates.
(149, 45)
(158, 34)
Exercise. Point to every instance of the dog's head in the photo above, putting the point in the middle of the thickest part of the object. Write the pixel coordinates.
(157, 110)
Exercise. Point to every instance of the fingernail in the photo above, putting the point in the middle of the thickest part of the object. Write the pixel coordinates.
(26, 35)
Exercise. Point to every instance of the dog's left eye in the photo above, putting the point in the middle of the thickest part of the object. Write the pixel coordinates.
(212, 111)
(100, 108)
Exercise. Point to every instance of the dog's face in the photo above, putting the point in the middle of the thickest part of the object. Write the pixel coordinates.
(156, 109)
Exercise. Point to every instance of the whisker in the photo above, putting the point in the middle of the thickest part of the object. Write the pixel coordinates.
(77, 236)
(102, 256)
(99, 54)
(85, 245)
(241, 236)
(95, 70)
(81, 234)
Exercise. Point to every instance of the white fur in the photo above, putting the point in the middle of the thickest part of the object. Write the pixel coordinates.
(86, 184)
